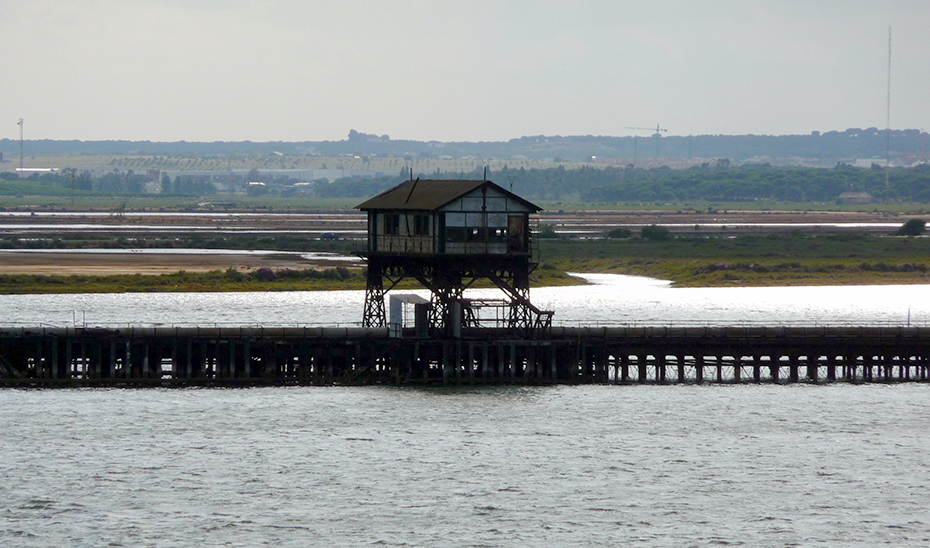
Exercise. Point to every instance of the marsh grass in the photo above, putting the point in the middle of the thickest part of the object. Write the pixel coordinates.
(229, 280)
(793, 259)
(782, 260)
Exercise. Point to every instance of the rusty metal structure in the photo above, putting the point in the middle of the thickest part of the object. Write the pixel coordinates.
(447, 235)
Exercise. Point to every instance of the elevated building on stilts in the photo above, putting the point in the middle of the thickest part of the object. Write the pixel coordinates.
(448, 235)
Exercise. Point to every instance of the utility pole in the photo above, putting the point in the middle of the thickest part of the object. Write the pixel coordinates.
(20, 124)
(71, 170)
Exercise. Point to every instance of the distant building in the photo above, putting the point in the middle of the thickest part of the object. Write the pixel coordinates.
(869, 163)
(856, 198)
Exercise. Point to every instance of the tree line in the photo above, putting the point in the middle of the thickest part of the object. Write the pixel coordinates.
(827, 147)
(717, 182)
(186, 186)
(116, 183)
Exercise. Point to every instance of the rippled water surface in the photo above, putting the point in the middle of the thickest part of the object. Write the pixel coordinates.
(796, 465)
(611, 299)
(837, 465)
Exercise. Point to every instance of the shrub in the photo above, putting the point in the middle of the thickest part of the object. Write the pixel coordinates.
(547, 231)
(265, 274)
(233, 275)
(914, 227)
(655, 232)
(619, 233)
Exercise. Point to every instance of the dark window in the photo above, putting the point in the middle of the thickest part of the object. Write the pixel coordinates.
(476, 234)
(421, 225)
(455, 234)
(391, 223)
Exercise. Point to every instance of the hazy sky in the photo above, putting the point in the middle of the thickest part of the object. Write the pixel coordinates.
(294, 70)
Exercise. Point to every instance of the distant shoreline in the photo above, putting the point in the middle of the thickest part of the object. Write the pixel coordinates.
(293, 255)
(81, 272)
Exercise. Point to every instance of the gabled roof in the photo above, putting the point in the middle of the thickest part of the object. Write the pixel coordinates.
(430, 195)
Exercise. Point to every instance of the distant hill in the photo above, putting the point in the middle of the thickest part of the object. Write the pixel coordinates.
(816, 148)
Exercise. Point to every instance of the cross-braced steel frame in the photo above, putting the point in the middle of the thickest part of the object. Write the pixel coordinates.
(447, 278)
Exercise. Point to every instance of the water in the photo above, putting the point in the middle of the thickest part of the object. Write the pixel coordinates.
(561, 466)
(612, 300)
(797, 465)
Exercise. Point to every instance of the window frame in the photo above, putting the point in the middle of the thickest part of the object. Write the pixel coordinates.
(421, 224)
(391, 224)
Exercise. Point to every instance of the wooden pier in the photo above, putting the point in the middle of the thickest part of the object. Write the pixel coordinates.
(255, 356)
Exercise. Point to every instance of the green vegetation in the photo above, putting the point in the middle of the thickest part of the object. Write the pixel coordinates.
(547, 231)
(375, 149)
(748, 184)
(655, 232)
(33, 188)
(913, 227)
(193, 241)
(746, 187)
(619, 233)
(263, 279)
(742, 184)
(695, 260)
(229, 280)
(195, 161)
(760, 260)
(785, 259)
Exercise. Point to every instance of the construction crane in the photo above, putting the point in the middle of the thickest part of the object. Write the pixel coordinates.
(658, 133)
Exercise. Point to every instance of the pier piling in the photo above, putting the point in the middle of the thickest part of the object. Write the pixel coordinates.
(47, 357)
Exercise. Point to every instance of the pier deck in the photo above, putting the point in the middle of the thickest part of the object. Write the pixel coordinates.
(256, 356)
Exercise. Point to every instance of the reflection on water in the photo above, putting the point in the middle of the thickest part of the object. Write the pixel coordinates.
(608, 300)
(636, 300)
